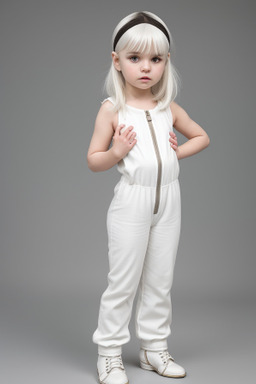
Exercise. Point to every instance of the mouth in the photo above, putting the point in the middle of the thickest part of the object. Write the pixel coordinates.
(145, 78)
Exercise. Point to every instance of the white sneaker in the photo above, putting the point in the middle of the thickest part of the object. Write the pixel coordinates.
(161, 362)
(111, 370)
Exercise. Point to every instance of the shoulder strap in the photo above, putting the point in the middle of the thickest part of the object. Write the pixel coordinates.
(108, 98)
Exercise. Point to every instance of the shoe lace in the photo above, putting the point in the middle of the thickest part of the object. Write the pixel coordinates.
(114, 362)
(166, 357)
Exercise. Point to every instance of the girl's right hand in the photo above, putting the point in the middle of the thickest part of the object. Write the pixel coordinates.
(123, 142)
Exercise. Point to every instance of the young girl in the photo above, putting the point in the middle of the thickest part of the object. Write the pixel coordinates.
(143, 219)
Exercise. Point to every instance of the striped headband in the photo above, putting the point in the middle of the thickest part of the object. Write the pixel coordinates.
(140, 19)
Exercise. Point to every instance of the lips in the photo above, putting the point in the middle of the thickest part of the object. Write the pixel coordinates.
(145, 78)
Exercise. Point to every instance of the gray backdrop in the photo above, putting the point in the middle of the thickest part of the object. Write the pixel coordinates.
(54, 58)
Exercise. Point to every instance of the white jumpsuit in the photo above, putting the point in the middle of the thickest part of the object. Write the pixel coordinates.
(143, 224)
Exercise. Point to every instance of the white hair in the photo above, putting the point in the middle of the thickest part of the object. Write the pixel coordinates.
(142, 38)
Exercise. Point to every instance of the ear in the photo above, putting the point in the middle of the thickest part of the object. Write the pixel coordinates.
(116, 61)
(168, 56)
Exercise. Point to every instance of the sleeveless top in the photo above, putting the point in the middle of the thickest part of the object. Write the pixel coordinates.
(152, 162)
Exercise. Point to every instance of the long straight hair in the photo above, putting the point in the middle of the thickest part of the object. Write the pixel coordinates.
(142, 38)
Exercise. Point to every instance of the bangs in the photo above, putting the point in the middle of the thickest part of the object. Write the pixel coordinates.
(143, 38)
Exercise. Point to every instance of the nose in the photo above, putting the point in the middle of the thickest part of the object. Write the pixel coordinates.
(145, 66)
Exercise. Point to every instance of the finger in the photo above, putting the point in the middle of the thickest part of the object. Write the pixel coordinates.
(118, 128)
(131, 135)
(173, 141)
(173, 144)
(172, 134)
(131, 139)
(128, 130)
(172, 137)
(132, 143)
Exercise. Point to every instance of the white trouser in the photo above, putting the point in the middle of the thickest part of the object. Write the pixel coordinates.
(142, 249)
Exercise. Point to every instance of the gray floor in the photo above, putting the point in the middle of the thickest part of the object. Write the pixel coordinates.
(46, 338)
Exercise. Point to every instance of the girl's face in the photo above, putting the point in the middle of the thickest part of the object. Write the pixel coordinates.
(140, 70)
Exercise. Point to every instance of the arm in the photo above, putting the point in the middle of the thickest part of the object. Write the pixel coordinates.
(197, 137)
(100, 157)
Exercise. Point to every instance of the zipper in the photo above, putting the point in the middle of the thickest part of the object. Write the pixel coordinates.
(159, 162)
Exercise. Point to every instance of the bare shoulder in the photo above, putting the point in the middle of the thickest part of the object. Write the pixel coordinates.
(177, 112)
(104, 128)
(107, 114)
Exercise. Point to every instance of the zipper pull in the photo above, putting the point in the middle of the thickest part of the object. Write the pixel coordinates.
(149, 119)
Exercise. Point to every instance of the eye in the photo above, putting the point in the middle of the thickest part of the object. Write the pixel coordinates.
(134, 59)
(156, 59)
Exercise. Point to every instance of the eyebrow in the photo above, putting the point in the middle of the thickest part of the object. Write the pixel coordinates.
(138, 53)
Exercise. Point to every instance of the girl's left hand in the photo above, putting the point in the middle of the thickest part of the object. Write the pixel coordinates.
(173, 140)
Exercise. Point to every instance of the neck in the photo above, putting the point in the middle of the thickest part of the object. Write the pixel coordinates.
(139, 95)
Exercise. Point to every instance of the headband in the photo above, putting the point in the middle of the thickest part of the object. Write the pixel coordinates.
(142, 18)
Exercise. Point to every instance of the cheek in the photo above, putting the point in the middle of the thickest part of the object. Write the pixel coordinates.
(161, 70)
(129, 71)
